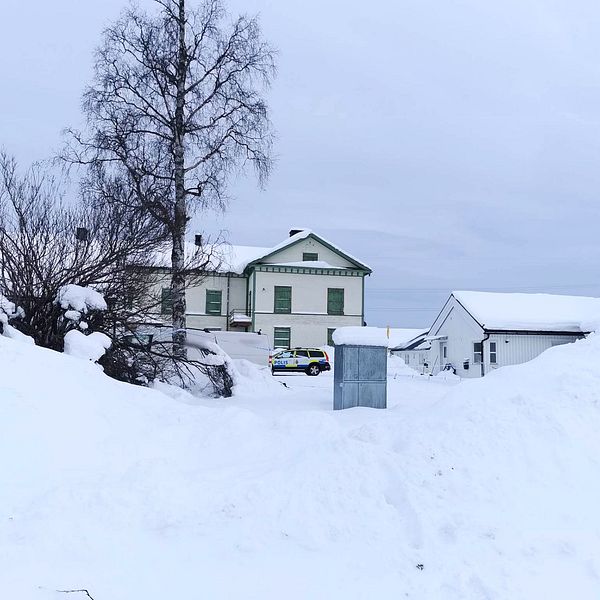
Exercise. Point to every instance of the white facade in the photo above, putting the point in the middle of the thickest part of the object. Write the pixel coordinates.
(306, 264)
(472, 349)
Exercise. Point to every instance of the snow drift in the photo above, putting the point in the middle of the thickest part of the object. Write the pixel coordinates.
(483, 489)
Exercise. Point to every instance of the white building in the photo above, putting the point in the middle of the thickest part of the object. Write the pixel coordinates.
(297, 292)
(476, 332)
(415, 351)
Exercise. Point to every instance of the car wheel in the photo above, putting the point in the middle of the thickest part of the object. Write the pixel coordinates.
(313, 370)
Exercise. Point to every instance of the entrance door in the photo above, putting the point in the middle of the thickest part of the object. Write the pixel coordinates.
(443, 355)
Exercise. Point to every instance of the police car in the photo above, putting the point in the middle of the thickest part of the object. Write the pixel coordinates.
(308, 360)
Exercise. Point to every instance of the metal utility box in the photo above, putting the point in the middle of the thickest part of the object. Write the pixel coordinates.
(360, 376)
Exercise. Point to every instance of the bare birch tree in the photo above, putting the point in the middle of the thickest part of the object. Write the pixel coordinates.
(177, 103)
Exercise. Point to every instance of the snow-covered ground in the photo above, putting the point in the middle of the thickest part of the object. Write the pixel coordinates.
(482, 489)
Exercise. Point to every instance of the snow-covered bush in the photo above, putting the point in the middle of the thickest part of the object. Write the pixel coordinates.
(89, 347)
(8, 312)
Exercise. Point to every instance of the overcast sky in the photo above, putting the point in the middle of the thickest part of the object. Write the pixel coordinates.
(448, 144)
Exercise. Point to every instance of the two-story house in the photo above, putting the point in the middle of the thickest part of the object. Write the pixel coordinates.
(297, 292)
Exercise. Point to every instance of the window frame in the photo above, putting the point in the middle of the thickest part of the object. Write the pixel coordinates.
(286, 310)
(277, 330)
(477, 354)
(493, 353)
(311, 254)
(207, 303)
(166, 301)
(330, 310)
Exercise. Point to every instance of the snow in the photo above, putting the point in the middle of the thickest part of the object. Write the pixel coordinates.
(81, 299)
(375, 336)
(532, 312)
(227, 258)
(458, 491)
(361, 336)
(88, 347)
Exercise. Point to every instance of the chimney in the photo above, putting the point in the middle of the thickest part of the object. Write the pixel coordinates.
(295, 231)
(81, 234)
(198, 239)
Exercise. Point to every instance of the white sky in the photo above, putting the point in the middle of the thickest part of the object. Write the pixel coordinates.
(449, 144)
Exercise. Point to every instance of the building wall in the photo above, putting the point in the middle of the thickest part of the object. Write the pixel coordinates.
(514, 349)
(461, 331)
(233, 295)
(309, 320)
(415, 359)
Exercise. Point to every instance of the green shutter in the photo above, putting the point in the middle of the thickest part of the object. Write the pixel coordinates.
(310, 256)
(282, 337)
(335, 301)
(213, 302)
(283, 299)
(330, 336)
(166, 301)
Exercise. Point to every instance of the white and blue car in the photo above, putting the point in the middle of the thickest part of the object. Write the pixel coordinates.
(305, 360)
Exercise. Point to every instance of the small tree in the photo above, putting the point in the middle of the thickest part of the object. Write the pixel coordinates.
(52, 252)
(46, 244)
(176, 104)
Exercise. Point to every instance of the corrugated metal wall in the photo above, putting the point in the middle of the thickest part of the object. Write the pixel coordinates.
(360, 377)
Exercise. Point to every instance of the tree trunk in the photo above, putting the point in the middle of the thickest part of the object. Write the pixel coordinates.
(180, 213)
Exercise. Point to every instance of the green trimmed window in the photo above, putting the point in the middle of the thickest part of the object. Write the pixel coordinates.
(330, 331)
(166, 301)
(310, 256)
(335, 301)
(282, 337)
(283, 299)
(213, 302)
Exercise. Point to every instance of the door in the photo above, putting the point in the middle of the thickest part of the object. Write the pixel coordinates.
(443, 354)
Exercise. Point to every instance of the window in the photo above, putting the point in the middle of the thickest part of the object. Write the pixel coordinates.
(316, 354)
(166, 301)
(303, 353)
(335, 301)
(213, 302)
(445, 351)
(281, 337)
(283, 299)
(310, 256)
(477, 352)
(493, 355)
(330, 336)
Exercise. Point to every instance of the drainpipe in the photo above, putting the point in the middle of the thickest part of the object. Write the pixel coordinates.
(227, 309)
(486, 337)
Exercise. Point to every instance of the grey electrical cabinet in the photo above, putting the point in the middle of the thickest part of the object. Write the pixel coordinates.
(360, 376)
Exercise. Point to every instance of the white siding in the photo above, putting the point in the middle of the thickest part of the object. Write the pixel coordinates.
(294, 254)
(460, 331)
(232, 296)
(514, 349)
(309, 320)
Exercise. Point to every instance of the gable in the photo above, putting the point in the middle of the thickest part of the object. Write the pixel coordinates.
(291, 252)
(454, 316)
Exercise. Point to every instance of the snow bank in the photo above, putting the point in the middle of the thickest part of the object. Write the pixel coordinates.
(486, 489)
(81, 299)
(361, 336)
(89, 347)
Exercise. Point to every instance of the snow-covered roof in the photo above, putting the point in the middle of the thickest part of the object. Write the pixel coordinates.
(531, 312)
(402, 339)
(229, 258)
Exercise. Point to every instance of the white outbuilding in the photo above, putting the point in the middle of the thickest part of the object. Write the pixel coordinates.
(476, 332)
